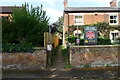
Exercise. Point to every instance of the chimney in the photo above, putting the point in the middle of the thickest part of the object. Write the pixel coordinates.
(65, 3)
(113, 3)
(119, 4)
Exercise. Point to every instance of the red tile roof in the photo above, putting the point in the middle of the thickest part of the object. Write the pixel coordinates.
(8, 9)
(91, 9)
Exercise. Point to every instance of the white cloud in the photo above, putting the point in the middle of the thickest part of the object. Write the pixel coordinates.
(49, 1)
(53, 13)
(52, 1)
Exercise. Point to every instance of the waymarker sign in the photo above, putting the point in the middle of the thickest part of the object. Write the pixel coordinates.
(90, 35)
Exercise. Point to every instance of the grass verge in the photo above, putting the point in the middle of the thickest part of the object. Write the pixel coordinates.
(54, 55)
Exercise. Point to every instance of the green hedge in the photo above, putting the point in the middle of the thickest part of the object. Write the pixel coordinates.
(100, 41)
(103, 41)
(72, 40)
(21, 47)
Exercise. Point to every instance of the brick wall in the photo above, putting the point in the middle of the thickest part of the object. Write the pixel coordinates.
(21, 61)
(94, 18)
(89, 18)
(71, 19)
(94, 56)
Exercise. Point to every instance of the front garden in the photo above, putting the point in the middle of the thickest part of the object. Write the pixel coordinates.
(25, 29)
(103, 36)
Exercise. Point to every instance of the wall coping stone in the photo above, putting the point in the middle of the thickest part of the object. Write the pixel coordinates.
(97, 46)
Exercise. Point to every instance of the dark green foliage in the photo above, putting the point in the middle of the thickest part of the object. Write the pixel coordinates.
(103, 41)
(100, 41)
(87, 66)
(72, 28)
(8, 32)
(21, 47)
(59, 23)
(103, 28)
(65, 54)
(81, 41)
(27, 25)
(68, 66)
(31, 23)
(72, 39)
(53, 55)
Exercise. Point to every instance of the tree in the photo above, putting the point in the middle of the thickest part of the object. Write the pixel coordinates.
(59, 23)
(8, 32)
(30, 23)
(103, 28)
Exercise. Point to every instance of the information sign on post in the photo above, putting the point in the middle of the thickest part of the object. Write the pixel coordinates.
(78, 41)
(49, 47)
(90, 35)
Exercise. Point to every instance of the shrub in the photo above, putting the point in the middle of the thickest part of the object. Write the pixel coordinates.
(72, 39)
(100, 41)
(65, 54)
(87, 66)
(21, 47)
(53, 55)
(67, 66)
(103, 41)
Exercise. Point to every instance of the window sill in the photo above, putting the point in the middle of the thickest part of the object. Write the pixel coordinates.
(114, 24)
(79, 24)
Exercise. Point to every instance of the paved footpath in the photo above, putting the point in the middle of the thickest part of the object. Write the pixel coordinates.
(57, 72)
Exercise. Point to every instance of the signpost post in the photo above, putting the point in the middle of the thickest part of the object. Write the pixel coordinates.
(90, 35)
(77, 40)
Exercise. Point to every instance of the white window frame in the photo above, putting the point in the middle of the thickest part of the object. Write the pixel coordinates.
(113, 37)
(81, 19)
(114, 19)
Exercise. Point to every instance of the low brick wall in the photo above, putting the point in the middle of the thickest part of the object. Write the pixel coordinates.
(21, 61)
(94, 56)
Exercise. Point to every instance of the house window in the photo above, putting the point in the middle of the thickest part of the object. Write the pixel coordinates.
(113, 19)
(78, 20)
(5, 17)
(114, 35)
(77, 33)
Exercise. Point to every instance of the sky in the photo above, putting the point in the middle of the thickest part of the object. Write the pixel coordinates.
(54, 8)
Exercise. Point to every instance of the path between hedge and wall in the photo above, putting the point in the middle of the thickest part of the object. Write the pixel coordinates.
(57, 71)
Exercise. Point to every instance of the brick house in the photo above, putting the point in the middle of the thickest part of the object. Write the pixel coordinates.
(6, 11)
(89, 15)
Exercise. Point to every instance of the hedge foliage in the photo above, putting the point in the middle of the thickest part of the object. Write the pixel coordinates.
(25, 30)
(100, 41)
(12, 48)
(72, 40)
(103, 41)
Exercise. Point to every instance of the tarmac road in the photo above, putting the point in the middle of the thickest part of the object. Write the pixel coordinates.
(96, 74)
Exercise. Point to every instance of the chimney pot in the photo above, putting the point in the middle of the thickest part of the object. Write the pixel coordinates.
(113, 3)
(65, 3)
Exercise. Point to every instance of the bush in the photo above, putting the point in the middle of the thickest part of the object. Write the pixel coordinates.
(103, 41)
(26, 24)
(21, 47)
(72, 40)
(87, 66)
(53, 55)
(65, 54)
(100, 41)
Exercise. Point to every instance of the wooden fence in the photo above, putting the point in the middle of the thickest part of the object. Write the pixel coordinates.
(50, 38)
